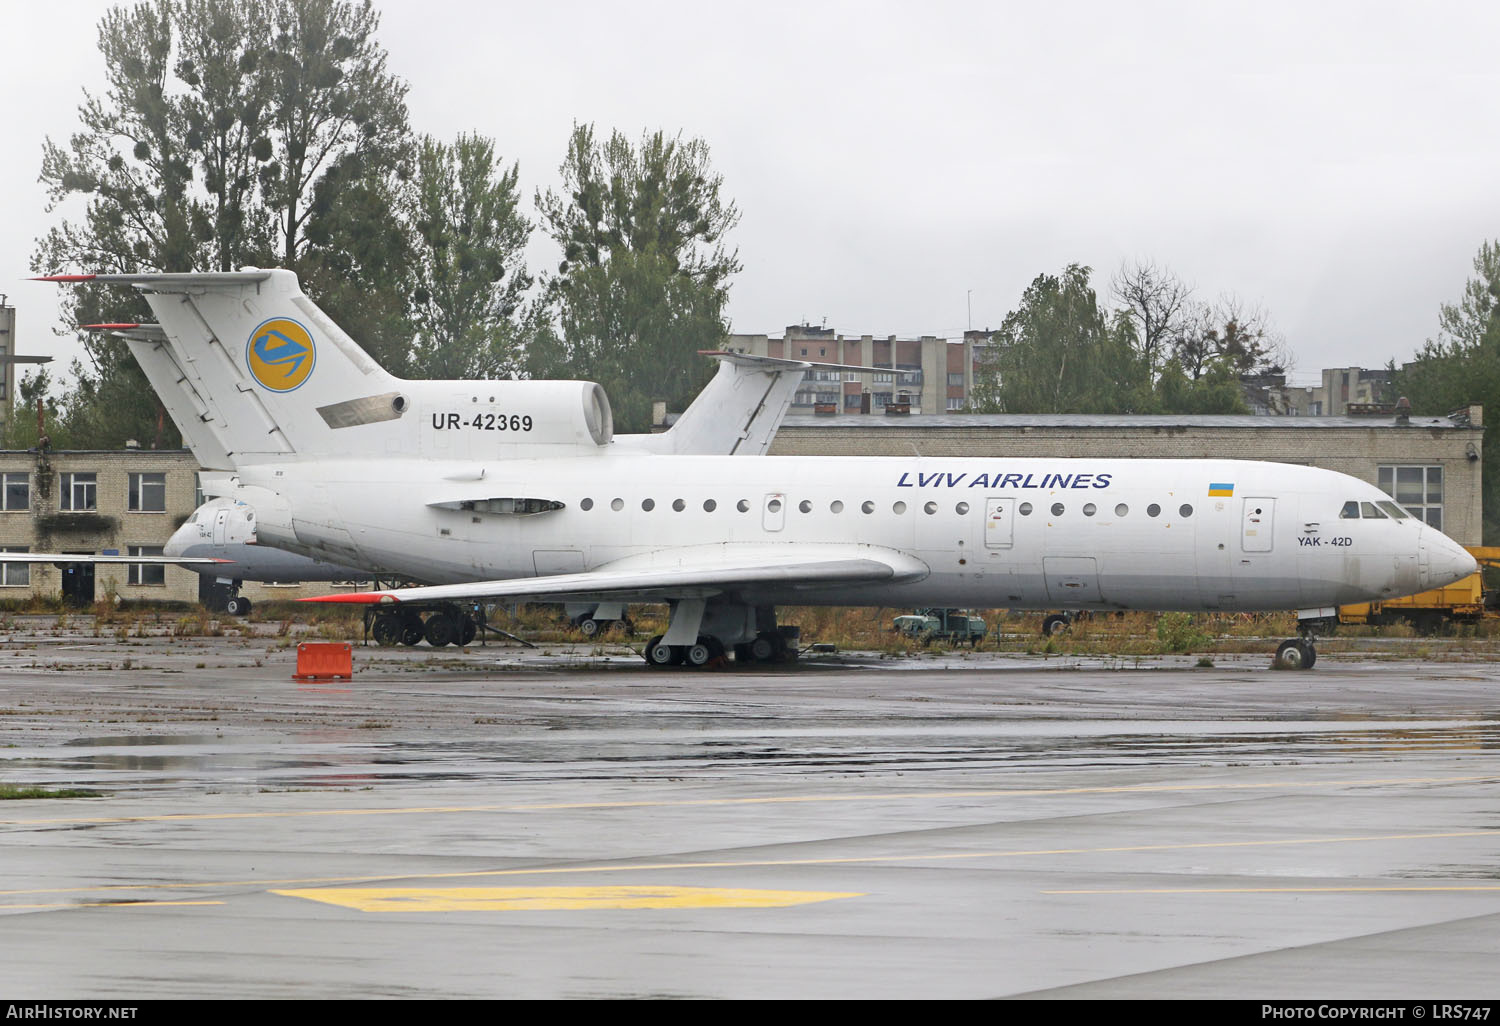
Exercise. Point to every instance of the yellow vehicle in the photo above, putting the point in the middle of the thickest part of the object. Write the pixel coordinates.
(1433, 611)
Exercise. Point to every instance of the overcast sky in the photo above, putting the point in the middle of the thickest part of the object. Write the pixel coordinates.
(897, 165)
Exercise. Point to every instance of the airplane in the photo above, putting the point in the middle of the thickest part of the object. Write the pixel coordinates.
(514, 490)
(737, 414)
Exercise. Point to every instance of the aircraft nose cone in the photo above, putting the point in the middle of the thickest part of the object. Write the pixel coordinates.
(178, 543)
(1447, 561)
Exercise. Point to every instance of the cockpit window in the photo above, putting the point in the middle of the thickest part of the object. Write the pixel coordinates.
(1394, 510)
(1350, 511)
(1369, 512)
(194, 518)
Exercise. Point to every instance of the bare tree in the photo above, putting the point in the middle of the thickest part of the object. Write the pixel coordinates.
(1241, 336)
(1158, 304)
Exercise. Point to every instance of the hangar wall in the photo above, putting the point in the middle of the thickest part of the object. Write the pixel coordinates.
(1408, 448)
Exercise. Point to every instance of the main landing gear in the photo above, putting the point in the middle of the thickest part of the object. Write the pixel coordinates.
(703, 633)
(447, 624)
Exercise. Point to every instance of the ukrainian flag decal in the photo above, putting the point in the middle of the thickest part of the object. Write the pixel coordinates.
(280, 354)
(1218, 488)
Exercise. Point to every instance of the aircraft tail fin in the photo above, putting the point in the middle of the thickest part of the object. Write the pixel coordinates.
(740, 410)
(230, 353)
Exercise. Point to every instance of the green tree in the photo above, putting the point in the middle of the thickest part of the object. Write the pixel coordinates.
(1060, 352)
(22, 430)
(469, 279)
(644, 277)
(1462, 366)
(1214, 391)
(232, 132)
(1465, 323)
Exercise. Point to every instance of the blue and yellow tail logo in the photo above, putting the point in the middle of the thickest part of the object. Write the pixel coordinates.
(280, 354)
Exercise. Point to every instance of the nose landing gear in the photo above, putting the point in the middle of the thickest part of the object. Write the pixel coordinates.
(1295, 654)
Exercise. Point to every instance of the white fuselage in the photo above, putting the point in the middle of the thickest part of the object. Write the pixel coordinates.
(224, 529)
(1023, 533)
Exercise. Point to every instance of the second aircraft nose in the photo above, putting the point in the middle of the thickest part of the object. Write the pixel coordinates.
(1446, 562)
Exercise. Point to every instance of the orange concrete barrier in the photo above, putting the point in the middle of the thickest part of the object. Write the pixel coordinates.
(324, 660)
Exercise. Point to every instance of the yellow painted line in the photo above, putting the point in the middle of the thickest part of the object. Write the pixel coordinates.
(1286, 890)
(633, 867)
(684, 803)
(554, 899)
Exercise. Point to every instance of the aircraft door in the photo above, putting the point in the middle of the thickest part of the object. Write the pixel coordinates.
(999, 527)
(221, 526)
(1257, 524)
(773, 512)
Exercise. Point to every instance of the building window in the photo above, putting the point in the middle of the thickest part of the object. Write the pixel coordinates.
(15, 575)
(955, 402)
(79, 492)
(146, 573)
(956, 380)
(148, 493)
(15, 495)
(1419, 489)
(197, 489)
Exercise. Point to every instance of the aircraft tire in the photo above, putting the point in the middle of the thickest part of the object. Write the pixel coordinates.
(237, 605)
(440, 630)
(467, 630)
(589, 627)
(762, 649)
(1054, 625)
(697, 655)
(386, 630)
(412, 630)
(1294, 654)
(658, 654)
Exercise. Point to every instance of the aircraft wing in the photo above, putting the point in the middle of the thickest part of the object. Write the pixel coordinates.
(693, 572)
(86, 557)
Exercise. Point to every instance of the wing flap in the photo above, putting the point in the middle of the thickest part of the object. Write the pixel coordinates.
(674, 574)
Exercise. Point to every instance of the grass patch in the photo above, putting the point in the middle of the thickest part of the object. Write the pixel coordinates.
(10, 792)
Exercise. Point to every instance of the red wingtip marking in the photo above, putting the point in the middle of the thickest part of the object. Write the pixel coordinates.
(366, 598)
(107, 327)
(66, 277)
